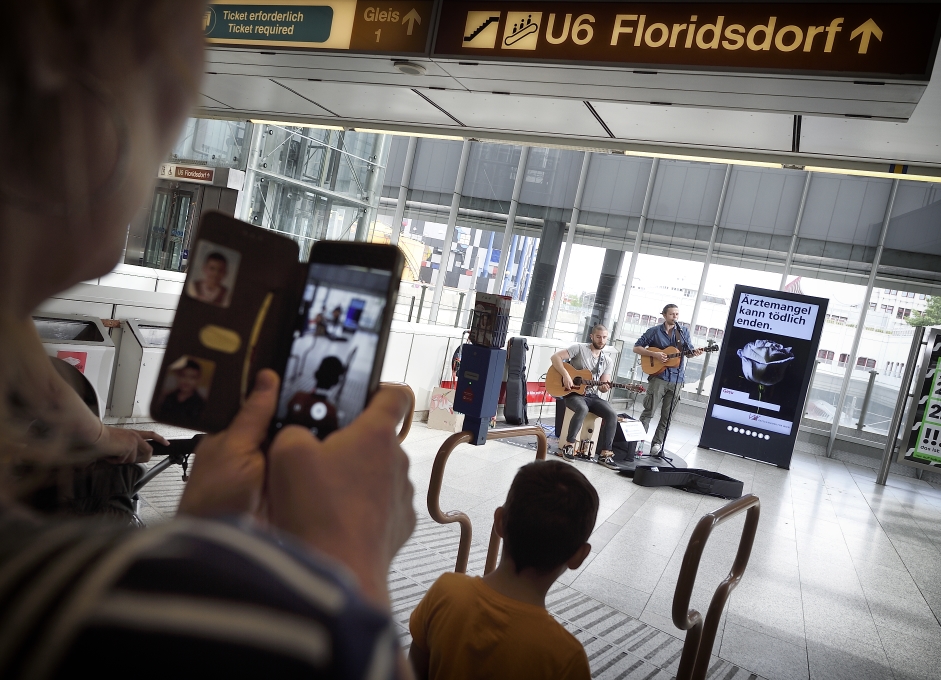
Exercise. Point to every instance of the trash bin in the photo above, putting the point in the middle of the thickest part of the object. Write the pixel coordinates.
(83, 342)
(142, 348)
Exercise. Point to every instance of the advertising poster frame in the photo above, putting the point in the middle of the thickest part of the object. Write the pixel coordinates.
(923, 423)
(763, 374)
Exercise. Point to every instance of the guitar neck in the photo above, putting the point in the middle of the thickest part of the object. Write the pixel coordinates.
(596, 383)
(690, 351)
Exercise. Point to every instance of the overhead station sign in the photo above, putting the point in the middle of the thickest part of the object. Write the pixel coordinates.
(394, 26)
(883, 40)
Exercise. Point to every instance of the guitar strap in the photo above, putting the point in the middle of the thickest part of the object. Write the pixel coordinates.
(595, 373)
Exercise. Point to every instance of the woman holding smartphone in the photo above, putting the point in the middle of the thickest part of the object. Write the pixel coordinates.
(92, 96)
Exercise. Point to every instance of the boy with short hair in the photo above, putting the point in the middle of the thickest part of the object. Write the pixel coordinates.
(498, 626)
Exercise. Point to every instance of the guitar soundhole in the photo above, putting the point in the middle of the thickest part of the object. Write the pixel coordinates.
(577, 381)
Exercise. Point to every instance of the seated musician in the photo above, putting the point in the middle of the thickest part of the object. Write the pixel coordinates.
(663, 389)
(588, 356)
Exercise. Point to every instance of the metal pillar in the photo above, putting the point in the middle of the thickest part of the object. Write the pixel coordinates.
(510, 254)
(248, 187)
(634, 253)
(421, 303)
(521, 267)
(904, 393)
(810, 386)
(712, 245)
(528, 271)
(850, 364)
(511, 220)
(403, 189)
(373, 188)
(569, 240)
(705, 367)
(865, 407)
(539, 295)
(797, 227)
(449, 232)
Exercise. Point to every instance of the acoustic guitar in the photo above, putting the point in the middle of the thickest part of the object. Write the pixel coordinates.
(653, 365)
(582, 380)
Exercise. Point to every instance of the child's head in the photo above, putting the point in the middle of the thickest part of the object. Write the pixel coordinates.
(549, 514)
(329, 372)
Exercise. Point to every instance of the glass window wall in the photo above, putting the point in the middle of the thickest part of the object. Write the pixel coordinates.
(314, 183)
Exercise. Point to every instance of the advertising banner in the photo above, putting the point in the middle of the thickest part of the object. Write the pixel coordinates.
(921, 444)
(763, 374)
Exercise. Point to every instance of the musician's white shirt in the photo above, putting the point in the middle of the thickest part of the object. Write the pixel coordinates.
(580, 357)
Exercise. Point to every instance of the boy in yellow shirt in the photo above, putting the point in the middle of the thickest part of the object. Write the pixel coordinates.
(497, 626)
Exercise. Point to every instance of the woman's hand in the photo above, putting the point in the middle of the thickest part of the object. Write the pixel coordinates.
(122, 446)
(348, 496)
(229, 467)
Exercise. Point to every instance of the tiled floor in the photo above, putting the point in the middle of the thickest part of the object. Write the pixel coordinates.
(844, 580)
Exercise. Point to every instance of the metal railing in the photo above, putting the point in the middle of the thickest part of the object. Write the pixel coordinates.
(700, 633)
(437, 478)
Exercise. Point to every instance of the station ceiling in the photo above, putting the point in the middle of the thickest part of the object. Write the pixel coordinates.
(803, 120)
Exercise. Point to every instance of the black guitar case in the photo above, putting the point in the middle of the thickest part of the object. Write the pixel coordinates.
(514, 411)
(705, 482)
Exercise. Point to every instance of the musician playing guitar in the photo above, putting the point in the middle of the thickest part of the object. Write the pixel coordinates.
(663, 389)
(588, 356)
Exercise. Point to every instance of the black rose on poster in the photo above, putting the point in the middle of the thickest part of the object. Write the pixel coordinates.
(765, 361)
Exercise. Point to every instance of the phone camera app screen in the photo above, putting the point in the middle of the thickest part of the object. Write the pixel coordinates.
(326, 380)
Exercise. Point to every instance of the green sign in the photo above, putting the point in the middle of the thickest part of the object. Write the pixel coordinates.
(928, 439)
(279, 23)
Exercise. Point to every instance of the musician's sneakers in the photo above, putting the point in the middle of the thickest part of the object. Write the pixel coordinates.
(567, 452)
(655, 449)
(608, 462)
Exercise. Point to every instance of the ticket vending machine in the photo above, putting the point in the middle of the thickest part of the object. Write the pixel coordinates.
(478, 388)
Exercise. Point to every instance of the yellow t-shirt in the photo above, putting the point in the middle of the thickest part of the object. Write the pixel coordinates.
(472, 631)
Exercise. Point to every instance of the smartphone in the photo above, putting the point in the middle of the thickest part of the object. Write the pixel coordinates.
(248, 304)
(340, 335)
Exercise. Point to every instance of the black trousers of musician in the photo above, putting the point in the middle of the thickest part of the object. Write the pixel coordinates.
(666, 395)
(581, 407)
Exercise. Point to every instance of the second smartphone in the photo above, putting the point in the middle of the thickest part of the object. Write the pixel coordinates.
(340, 335)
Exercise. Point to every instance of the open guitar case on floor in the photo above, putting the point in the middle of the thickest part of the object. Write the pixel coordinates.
(704, 482)
(514, 410)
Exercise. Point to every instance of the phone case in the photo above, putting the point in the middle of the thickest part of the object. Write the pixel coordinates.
(240, 299)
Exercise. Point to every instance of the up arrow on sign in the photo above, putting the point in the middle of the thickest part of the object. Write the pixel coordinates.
(868, 29)
(413, 16)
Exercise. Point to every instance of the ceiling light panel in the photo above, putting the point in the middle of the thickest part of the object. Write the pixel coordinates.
(371, 102)
(523, 114)
(702, 127)
(258, 96)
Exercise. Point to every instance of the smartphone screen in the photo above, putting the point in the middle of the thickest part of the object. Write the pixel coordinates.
(332, 360)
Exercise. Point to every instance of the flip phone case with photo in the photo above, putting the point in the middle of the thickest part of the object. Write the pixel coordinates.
(229, 324)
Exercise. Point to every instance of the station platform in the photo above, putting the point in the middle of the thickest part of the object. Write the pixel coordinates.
(841, 582)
